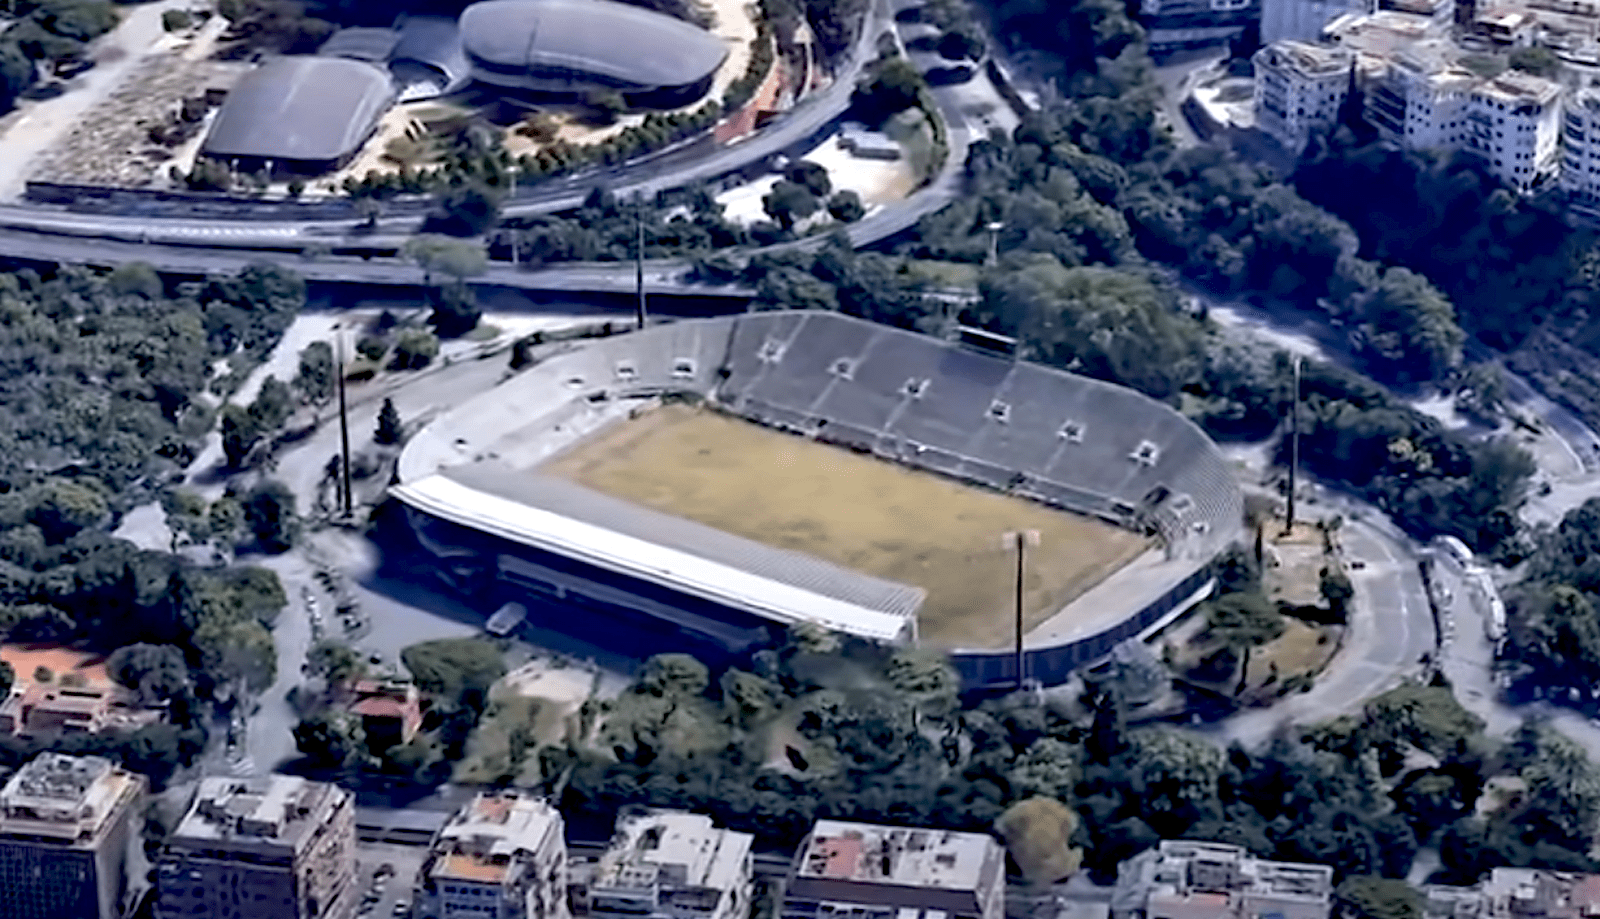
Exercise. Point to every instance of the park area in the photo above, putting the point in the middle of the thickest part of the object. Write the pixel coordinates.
(855, 511)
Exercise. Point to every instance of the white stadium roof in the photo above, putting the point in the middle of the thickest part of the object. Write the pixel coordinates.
(767, 597)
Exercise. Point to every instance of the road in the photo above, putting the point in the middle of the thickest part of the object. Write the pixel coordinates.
(1391, 633)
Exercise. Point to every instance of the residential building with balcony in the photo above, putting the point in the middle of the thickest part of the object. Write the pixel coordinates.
(270, 847)
(672, 865)
(1300, 88)
(503, 856)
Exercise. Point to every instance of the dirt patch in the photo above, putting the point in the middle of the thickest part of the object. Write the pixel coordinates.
(1302, 650)
(1292, 574)
(856, 511)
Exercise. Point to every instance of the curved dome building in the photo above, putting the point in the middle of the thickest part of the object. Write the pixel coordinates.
(575, 46)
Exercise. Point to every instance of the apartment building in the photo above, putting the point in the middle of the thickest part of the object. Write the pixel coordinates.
(270, 847)
(1514, 123)
(69, 840)
(673, 865)
(1580, 142)
(1299, 89)
(866, 871)
(1304, 20)
(1183, 879)
(1516, 893)
(503, 856)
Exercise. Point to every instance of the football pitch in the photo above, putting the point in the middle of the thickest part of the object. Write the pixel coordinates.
(856, 511)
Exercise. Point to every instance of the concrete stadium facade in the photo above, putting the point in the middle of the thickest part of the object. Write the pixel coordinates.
(1012, 426)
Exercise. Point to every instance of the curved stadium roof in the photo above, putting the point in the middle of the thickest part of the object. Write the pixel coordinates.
(311, 109)
(626, 44)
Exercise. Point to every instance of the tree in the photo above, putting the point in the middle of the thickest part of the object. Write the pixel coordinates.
(271, 406)
(1243, 622)
(235, 650)
(269, 516)
(1538, 60)
(677, 675)
(605, 105)
(8, 677)
(1038, 834)
(314, 381)
(330, 739)
(187, 516)
(61, 509)
(239, 434)
(456, 258)
(1336, 590)
(455, 310)
(135, 279)
(845, 206)
(414, 349)
(1410, 327)
(335, 661)
(1049, 769)
(157, 673)
(789, 201)
(893, 85)
(389, 430)
(458, 670)
(1369, 897)
(1556, 635)
(469, 209)
(814, 176)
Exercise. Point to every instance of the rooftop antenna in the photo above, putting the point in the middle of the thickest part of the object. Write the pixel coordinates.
(1294, 440)
(344, 427)
(640, 316)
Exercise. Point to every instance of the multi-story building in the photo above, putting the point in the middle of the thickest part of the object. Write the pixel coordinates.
(272, 847)
(503, 856)
(1514, 123)
(69, 840)
(1299, 89)
(1304, 20)
(672, 865)
(1418, 99)
(1580, 142)
(880, 872)
(1203, 880)
(1516, 893)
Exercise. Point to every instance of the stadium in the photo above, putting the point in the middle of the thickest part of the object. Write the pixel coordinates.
(575, 46)
(707, 483)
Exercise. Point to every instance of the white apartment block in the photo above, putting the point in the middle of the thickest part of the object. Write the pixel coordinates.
(1182, 879)
(1299, 89)
(1515, 124)
(673, 865)
(503, 856)
(1580, 140)
(1303, 20)
(1417, 98)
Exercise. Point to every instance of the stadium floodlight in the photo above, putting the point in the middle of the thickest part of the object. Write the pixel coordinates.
(1021, 539)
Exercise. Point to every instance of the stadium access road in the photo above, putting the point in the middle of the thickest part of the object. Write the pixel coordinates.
(1391, 631)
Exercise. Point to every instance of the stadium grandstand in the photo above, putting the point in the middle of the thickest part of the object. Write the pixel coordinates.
(682, 487)
(578, 46)
(303, 115)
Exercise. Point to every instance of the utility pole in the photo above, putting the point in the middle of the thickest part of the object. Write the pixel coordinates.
(1294, 440)
(640, 317)
(344, 428)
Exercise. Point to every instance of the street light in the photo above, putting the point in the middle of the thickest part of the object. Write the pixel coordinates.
(994, 227)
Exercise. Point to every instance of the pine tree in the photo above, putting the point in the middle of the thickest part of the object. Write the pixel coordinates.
(388, 431)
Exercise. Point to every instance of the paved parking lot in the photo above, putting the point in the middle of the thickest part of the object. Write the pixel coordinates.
(387, 877)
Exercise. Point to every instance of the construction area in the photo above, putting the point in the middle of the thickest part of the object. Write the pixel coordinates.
(862, 513)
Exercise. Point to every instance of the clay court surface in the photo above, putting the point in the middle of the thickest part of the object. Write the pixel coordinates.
(856, 511)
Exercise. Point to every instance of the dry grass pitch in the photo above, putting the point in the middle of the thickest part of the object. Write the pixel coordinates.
(856, 511)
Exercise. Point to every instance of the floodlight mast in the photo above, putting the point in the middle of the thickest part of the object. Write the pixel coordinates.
(344, 428)
(1294, 441)
(640, 316)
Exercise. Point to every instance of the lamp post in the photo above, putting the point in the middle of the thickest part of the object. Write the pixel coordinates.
(994, 227)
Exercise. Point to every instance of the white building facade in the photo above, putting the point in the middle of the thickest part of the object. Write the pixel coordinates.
(673, 865)
(503, 856)
(1299, 89)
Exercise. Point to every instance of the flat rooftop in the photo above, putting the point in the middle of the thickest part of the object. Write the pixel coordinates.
(900, 856)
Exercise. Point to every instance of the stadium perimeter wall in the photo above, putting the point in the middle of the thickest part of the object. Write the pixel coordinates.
(844, 380)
